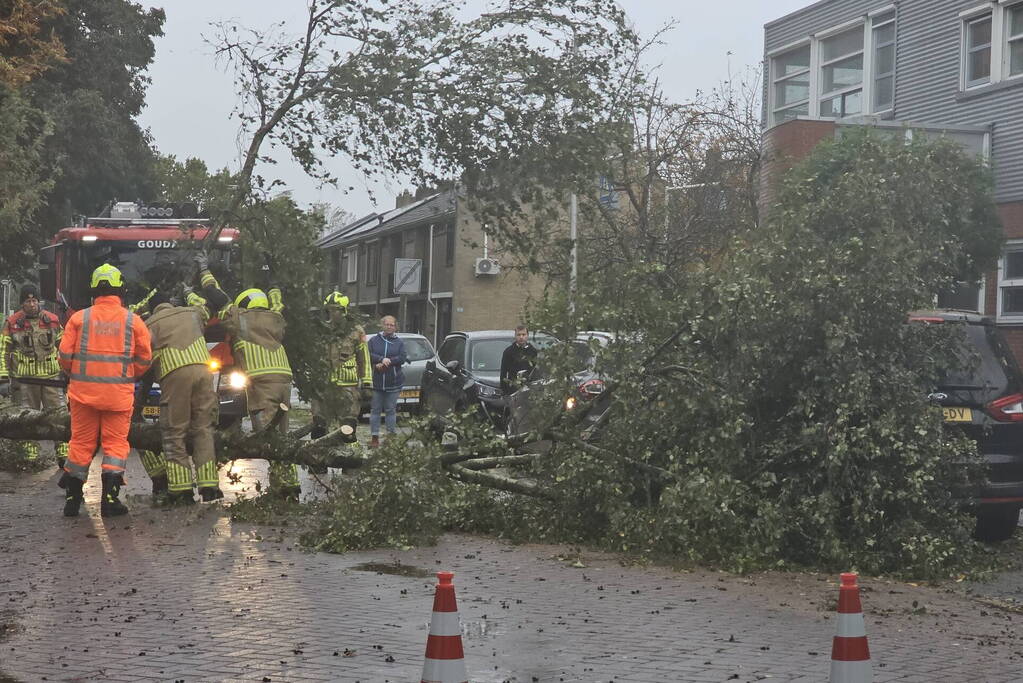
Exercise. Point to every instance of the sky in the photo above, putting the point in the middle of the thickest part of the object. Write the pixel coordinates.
(191, 97)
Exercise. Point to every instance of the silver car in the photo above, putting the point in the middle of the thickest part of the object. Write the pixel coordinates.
(419, 350)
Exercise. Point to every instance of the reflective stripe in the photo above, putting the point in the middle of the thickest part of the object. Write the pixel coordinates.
(114, 461)
(79, 377)
(208, 474)
(851, 672)
(83, 343)
(444, 671)
(153, 463)
(260, 361)
(445, 624)
(76, 470)
(129, 332)
(171, 359)
(851, 626)
(179, 477)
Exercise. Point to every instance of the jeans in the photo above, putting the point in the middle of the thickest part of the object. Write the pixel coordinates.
(386, 401)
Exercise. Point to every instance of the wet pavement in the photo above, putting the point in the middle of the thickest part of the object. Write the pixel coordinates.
(189, 595)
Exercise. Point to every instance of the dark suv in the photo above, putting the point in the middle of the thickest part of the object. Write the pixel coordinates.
(986, 403)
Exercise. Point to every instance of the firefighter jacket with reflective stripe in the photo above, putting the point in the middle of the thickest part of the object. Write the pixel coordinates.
(258, 333)
(177, 337)
(28, 345)
(349, 360)
(105, 348)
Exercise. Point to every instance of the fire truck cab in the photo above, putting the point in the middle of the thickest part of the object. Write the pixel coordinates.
(150, 244)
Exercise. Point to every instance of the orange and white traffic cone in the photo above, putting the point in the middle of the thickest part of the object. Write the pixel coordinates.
(850, 656)
(445, 662)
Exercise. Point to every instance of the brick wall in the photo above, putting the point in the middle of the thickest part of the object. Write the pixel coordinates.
(785, 145)
(488, 302)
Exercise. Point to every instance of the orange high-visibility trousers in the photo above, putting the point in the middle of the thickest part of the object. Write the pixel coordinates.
(90, 428)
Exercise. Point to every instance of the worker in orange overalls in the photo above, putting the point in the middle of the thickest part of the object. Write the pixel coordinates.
(105, 348)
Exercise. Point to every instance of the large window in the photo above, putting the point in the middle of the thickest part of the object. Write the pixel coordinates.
(352, 255)
(847, 71)
(372, 262)
(978, 51)
(842, 74)
(791, 84)
(1010, 282)
(1015, 40)
(884, 62)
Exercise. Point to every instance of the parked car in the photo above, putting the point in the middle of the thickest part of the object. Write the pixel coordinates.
(528, 406)
(466, 373)
(986, 404)
(419, 351)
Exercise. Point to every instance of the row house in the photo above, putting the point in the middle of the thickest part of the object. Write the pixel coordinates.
(465, 281)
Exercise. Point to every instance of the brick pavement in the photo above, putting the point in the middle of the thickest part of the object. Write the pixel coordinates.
(189, 595)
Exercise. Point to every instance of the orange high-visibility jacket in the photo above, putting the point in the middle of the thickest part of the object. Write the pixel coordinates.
(105, 348)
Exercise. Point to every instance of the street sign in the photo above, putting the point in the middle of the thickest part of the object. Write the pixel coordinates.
(407, 275)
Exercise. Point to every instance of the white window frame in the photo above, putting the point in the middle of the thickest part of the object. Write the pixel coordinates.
(879, 20)
(1008, 39)
(1005, 283)
(965, 83)
(352, 271)
(848, 90)
(816, 66)
(772, 90)
(981, 295)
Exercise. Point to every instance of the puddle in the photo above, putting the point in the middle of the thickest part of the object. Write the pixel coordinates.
(393, 568)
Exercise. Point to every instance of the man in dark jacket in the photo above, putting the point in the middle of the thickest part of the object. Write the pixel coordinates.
(387, 354)
(521, 355)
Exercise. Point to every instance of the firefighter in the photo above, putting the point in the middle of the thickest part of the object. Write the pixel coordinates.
(28, 358)
(350, 369)
(188, 403)
(256, 326)
(105, 348)
(153, 462)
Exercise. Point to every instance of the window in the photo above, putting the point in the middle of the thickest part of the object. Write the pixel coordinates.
(963, 296)
(848, 71)
(978, 51)
(883, 65)
(452, 349)
(372, 262)
(352, 254)
(842, 74)
(790, 73)
(1010, 282)
(1015, 40)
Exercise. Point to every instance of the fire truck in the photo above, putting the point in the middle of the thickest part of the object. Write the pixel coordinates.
(152, 245)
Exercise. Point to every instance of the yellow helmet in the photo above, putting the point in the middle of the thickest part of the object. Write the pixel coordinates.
(336, 298)
(108, 274)
(252, 298)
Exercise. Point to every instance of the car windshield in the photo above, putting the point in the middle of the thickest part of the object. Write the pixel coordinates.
(485, 355)
(982, 363)
(418, 349)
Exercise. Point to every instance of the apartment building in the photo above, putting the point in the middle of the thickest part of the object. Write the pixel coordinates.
(909, 67)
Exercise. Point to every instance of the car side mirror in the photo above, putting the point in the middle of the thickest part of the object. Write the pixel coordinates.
(431, 366)
(453, 365)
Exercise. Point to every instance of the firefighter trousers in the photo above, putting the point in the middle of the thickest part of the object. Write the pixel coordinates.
(188, 410)
(38, 397)
(92, 428)
(348, 404)
(264, 396)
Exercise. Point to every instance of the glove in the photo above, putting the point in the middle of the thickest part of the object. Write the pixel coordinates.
(202, 261)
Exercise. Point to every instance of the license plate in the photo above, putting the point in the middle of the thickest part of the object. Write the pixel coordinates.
(957, 414)
(150, 411)
(410, 393)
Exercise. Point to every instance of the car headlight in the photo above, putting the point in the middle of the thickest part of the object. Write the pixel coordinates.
(488, 391)
(570, 403)
(213, 364)
(237, 380)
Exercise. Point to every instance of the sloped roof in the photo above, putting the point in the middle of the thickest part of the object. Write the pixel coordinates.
(424, 210)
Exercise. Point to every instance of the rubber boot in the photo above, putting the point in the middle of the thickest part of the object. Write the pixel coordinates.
(186, 497)
(374, 441)
(160, 490)
(111, 506)
(210, 493)
(72, 495)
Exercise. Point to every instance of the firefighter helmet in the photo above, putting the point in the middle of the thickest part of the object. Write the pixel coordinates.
(336, 298)
(252, 298)
(107, 274)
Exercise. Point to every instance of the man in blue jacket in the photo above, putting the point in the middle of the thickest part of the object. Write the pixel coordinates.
(387, 354)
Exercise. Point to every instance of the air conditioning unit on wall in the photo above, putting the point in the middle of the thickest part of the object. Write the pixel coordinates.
(487, 266)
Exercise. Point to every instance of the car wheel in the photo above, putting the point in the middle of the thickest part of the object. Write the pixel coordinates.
(996, 523)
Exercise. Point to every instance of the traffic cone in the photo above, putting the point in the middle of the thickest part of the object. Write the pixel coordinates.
(445, 662)
(850, 656)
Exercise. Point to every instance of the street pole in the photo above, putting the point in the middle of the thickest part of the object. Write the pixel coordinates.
(572, 234)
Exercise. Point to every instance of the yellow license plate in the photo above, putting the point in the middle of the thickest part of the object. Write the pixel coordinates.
(957, 414)
(150, 411)
(411, 393)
